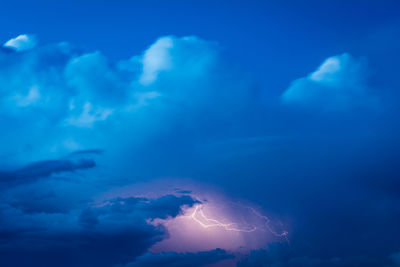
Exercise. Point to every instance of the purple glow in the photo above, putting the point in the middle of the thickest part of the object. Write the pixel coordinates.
(216, 221)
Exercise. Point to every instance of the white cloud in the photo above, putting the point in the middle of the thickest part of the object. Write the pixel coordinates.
(339, 83)
(179, 58)
(22, 42)
(156, 59)
(327, 71)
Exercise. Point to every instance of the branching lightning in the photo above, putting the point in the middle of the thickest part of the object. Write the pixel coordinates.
(208, 222)
(204, 221)
(284, 234)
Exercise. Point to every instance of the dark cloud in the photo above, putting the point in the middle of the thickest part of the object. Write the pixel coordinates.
(162, 207)
(180, 259)
(114, 233)
(280, 255)
(49, 226)
(43, 169)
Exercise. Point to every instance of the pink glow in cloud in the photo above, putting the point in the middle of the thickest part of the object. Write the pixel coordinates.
(216, 221)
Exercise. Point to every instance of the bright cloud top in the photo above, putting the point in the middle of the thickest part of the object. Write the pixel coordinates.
(338, 84)
(22, 42)
(156, 59)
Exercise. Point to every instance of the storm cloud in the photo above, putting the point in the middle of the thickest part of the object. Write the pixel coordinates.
(86, 135)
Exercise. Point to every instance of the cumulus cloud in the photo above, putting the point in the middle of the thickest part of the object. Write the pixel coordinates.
(338, 84)
(21, 43)
(72, 94)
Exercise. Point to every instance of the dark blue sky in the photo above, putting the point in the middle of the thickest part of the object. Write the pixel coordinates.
(235, 133)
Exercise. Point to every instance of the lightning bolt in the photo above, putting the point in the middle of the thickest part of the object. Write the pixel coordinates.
(206, 222)
(209, 222)
(284, 234)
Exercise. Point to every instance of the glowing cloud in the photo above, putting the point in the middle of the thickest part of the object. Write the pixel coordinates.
(218, 222)
(206, 222)
(215, 220)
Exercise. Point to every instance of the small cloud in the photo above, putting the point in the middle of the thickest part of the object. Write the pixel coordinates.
(22, 42)
(26, 100)
(339, 84)
(143, 99)
(89, 116)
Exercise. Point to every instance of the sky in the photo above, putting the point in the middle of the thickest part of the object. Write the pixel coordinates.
(199, 133)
